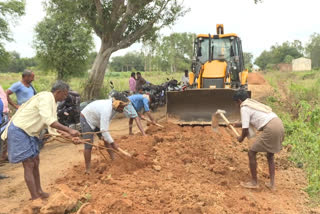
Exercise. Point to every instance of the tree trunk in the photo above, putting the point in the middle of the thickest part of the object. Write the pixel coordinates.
(149, 61)
(60, 75)
(95, 82)
(145, 62)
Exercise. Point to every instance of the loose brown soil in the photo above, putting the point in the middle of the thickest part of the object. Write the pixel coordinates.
(255, 79)
(173, 170)
(186, 170)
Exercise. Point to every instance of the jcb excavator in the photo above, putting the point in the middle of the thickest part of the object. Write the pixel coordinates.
(217, 72)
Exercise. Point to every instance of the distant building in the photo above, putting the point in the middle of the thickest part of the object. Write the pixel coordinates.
(301, 64)
(284, 67)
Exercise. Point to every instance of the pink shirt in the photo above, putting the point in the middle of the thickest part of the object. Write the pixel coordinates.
(3, 97)
(132, 84)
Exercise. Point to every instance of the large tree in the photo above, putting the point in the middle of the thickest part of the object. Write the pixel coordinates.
(63, 43)
(120, 23)
(9, 12)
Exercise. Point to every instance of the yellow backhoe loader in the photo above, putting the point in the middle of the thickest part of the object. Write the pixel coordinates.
(217, 72)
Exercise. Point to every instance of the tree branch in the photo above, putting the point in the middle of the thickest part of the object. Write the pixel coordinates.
(99, 9)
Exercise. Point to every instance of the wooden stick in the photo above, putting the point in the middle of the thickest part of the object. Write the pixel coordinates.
(102, 154)
(125, 153)
(231, 126)
(102, 147)
(157, 124)
(85, 133)
(85, 141)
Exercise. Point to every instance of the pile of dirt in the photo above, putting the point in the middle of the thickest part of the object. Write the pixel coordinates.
(256, 79)
(184, 170)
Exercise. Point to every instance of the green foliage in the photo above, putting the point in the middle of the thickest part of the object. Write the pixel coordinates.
(248, 61)
(264, 59)
(300, 113)
(63, 44)
(9, 12)
(16, 64)
(279, 54)
(313, 49)
(175, 51)
(303, 135)
(288, 59)
(44, 81)
(118, 24)
(132, 61)
(170, 53)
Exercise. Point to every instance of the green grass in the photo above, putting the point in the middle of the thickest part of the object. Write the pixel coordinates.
(44, 81)
(300, 111)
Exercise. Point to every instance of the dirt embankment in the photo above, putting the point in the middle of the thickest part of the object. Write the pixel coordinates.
(256, 79)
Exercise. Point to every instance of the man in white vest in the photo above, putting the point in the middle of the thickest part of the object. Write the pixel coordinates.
(270, 140)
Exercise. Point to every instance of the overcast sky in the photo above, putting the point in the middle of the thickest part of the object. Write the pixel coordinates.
(258, 25)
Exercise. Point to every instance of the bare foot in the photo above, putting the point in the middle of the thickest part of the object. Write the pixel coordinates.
(249, 185)
(35, 198)
(44, 195)
(270, 186)
(87, 172)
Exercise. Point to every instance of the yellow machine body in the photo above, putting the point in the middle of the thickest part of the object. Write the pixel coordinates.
(217, 73)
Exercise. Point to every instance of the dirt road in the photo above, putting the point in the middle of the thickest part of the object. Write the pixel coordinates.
(179, 170)
(55, 159)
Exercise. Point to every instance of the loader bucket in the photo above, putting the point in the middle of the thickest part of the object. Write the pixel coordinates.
(196, 106)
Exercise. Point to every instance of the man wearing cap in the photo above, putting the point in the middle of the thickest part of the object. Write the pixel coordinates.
(23, 89)
(270, 140)
(95, 117)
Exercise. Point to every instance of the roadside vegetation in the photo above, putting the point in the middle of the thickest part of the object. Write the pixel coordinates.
(43, 81)
(296, 100)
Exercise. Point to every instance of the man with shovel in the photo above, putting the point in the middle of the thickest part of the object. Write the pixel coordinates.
(270, 140)
(24, 128)
(97, 116)
(139, 102)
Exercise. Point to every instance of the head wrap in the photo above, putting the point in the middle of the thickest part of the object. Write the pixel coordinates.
(118, 104)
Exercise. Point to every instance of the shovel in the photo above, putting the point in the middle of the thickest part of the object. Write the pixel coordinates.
(157, 124)
(215, 123)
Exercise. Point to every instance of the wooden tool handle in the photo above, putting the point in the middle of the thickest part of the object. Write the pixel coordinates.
(124, 152)
(231, 126)
(157, 124)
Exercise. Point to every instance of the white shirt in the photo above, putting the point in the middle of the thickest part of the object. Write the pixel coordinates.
(257, 119)
(185, 80)
(98, 114)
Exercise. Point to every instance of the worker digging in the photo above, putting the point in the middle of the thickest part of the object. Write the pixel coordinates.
(215, 93)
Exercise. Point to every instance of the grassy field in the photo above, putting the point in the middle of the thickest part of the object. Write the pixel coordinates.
(297, 101)
(43, 82)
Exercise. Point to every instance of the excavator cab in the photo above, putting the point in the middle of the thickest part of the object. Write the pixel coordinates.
(217, 72)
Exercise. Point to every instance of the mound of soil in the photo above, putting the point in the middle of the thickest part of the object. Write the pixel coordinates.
(256, 79)
(185, 170)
